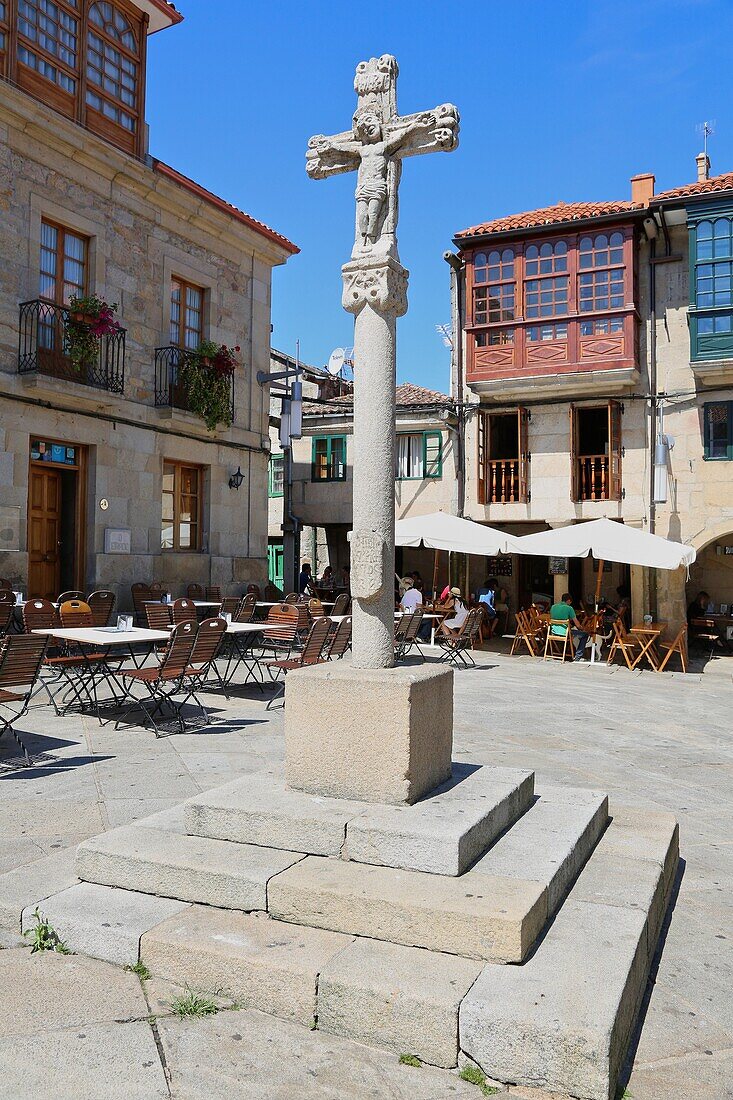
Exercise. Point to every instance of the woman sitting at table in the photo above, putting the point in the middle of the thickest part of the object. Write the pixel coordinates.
(327, 580)
(453, 624)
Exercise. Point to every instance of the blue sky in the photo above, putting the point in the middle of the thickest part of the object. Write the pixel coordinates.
(558, 100)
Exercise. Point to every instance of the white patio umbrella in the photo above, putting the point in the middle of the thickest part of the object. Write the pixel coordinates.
(607, 540)
(441, 531)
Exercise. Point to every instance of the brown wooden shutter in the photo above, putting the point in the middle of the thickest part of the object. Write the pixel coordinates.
(573, 453)
(523, 487)
(482, 455)
(614, 450)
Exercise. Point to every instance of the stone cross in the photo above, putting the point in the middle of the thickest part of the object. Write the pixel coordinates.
(375, 291)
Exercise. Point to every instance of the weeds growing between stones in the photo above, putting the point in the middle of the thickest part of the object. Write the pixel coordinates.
(44, 937)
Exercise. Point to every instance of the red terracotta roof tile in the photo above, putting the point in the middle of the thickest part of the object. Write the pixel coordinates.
(227, 207)
(715, 183)
(550, 215)
(407, 396)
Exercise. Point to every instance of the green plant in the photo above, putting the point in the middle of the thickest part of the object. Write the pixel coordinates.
(194, 1004)
(410, 1060)
(141, 970)
(205, 374)
(476, 1076)
(44, 937)
(89, 319)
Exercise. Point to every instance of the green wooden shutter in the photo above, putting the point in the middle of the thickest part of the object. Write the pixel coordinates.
(433, 454)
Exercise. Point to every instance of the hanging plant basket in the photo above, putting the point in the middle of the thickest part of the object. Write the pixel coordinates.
(205, 375)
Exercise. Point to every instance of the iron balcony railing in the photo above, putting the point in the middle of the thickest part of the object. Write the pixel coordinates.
(168, 388)
(46, 346)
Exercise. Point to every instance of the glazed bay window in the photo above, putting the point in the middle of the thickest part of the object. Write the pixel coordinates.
(4, 27)
(718, 429)
(494, 287)
(595, 452)
(276, 480)
(419, 456)
(601, 277)
(328, 458)
(503, 458)
(48, 50)
(546, 296)
(182, 504)
(711, 306)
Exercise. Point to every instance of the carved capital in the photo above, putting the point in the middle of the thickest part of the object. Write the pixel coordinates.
(379, 282)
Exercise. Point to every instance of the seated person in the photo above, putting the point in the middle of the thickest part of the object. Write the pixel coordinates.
(698, 609)
(412, 598)
(486, 597)
(327, 580)
(564, 612)
(454, 622)
(305, 580)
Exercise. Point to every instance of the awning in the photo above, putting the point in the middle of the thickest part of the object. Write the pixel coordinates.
(607, 541)
(440, 531)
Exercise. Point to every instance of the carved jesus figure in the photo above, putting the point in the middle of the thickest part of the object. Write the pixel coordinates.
(374, 147)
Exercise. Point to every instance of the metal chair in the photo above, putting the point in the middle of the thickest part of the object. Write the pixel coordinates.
(457, 647)
(195, 591)
(315, 608)
(166, 680)
(159, 616)
(184, 611)
(341, 604)
(21, 659)
(339, 640)
(411, 639)
(213, 592)
(206, 648)
(75, 612)
(230, 605)
(246, 609)
(292, 597)
(279, 632)
(71, 595)
(256, 589)
(311, 654)
(102, 604)
(140, 593)
(6, 618)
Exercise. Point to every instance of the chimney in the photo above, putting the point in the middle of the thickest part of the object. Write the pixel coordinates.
(642, 188)
(702, 160)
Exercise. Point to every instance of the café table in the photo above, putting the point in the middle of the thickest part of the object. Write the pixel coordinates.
(648, 635)
(91, 640)
(243, 637)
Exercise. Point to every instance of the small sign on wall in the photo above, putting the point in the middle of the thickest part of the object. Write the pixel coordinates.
(499, 567)
(117, 540)
(557, 567)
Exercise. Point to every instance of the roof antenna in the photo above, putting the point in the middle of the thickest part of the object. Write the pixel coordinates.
(707, 129)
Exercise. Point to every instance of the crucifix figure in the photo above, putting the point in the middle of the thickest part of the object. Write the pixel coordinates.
(375, 291)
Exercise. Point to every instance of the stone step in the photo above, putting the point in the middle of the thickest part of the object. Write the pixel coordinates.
(551, 842)
(189, 868)
(476, 916)
(563, 1020)
(257, 962)
(404, 999)
(443, 833)
(102, 921)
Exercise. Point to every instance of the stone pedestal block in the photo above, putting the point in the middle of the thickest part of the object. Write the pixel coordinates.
(377, 735)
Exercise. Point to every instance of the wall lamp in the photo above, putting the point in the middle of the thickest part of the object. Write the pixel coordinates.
(236, 479)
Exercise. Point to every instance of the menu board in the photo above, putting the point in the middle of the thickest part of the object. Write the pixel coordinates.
(43, 450)
(499, 567)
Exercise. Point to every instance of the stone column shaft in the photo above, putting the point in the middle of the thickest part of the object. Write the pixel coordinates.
(374, 464)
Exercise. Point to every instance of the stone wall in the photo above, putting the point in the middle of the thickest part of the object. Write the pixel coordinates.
(143, 229)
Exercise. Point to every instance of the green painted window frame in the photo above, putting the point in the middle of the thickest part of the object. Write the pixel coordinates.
(330, 441)
(728, 456)
(432, 465)
(275, 574)
(271, 491)
(707, 346)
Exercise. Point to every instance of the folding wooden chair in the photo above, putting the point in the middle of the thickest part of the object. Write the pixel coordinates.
(7, 597)
(400, 633)
(247, 607)
(6, 584)
(195, 591)
(102, 604)
(7, 611)
(341, 604)
(525, 636)
(21, 658)
(558, 647)
(206, 648)
(309, 655)
(159, 616)
(457, 647)
(213, 592)
(315, 609)
(279, 633)
(339, 640)
(166, 680)
(411, 640)
(625, 644)
(184, 611)
(140, 593)
(292, 597)
(230, 605)
(72, 595)
(255, 588)
(677, 645)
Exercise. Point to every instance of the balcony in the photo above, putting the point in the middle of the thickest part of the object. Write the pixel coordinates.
(503, 485)
(46, 346)
(593, 477)
(169, 392)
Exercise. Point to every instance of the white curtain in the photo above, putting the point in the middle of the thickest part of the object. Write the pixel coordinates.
(409, 456)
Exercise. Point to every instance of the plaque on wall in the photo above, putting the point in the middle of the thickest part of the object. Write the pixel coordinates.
(117, 540)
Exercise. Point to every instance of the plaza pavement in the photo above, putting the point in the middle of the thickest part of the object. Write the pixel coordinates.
(72, 1027)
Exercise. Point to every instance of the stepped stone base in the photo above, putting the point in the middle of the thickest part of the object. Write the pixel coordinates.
(402, 958)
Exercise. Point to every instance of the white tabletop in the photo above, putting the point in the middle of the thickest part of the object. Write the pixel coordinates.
(238, 628)
(276, 603)
(104, 636)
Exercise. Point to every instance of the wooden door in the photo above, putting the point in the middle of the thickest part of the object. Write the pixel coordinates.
(44, 533)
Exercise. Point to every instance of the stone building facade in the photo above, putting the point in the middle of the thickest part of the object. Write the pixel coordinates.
(426, 478)
(579, 354)
(106, 476)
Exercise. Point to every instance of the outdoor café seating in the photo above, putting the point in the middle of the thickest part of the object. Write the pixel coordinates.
(159, 615)
(677, 645)
(6, 618)
(559, 644)
(245, 611)
(195, 591)
(21, 659)
(164, 681)
(7, 596)
(339, 640)
(184, 611)
(310, 654)
(202, 662)
(72, 595)
(623, 644)
(457, 647)
(341, 604)
(279, 632)
(102, 604)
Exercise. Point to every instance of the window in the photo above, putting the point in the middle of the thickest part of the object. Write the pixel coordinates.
(63, 273)
(537, 333)
(601, 286)
(182, 493)
(493, 294)
(48, 41)
(494, 337)
(718, 428)
(112, 66)
(329, 458)
(503, 458)
(595, 452)
(187, 314)
(711, 308)
(3, 35)
(547, 296)
(602, 326)
(276, 481)
(419, 456)
(546, 259)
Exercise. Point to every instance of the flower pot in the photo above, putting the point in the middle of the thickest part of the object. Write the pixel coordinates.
(80, 318)
(205, 361)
